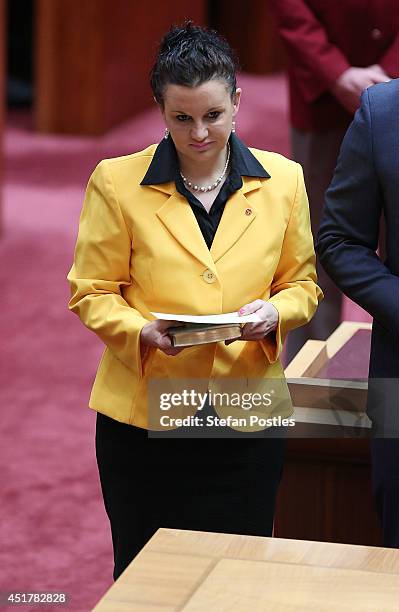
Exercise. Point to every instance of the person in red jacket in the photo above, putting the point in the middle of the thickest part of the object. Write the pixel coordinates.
(335, 51)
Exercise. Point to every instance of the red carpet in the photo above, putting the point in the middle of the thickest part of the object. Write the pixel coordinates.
(54, 532)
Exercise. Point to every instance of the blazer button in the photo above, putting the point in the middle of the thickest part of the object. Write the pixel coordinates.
(376, 34)
(209, 276)
(248, 211)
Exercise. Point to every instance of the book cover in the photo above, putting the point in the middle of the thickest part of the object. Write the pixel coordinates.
(191, 334)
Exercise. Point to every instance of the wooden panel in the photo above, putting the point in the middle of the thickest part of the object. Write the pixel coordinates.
(251, 31)
(327, 499)
(175, 575)
(93, 59)
(2, 101)
(315, 353)
(237, 585)
(194, 570)
(69, 64)
(327, 482)
(232, 546)
(133, 32)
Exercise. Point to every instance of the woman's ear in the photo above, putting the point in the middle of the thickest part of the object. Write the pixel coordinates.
(236, 100)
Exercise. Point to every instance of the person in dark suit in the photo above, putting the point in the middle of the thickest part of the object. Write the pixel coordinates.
(335, 50)
(365, 186)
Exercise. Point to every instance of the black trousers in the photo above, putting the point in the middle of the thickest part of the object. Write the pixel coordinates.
(385, 459)
(221, 485)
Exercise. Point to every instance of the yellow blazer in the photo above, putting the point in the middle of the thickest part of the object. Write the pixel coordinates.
(140, 249)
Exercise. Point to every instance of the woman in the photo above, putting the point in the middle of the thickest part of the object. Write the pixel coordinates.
(201, 225)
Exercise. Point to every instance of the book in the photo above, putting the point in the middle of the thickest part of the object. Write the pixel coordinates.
(213, 319)
(191, 334)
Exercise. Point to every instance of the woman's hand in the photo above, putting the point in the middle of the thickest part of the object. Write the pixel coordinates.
(257, 331)
(155, 334)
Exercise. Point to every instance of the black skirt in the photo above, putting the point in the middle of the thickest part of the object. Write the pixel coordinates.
(220, 485)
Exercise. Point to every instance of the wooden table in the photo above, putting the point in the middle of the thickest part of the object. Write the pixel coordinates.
(196, 571)
(327, 480)
(328, 383)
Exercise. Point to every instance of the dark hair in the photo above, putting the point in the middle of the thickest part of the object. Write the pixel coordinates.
(191, 55)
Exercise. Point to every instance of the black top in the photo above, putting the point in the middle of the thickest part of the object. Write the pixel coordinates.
(164, 168)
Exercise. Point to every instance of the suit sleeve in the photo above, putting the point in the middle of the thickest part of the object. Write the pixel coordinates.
(319, 61)
(294, 291)
(348, 235)
(101, 270)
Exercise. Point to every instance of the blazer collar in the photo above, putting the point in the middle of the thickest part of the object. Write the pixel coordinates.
(164, 166)
(176, 213)
(177, 216)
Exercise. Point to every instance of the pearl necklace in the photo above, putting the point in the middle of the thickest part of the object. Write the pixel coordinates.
(217, 181)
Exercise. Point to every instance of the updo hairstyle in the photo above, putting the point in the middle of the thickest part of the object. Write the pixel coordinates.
(191, 55)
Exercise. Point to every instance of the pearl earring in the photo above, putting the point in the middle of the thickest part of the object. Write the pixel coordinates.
(233, 127)
(166, 135)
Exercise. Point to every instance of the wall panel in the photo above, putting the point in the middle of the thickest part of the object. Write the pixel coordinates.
(250, 29)
(326, 493)
(93, 59)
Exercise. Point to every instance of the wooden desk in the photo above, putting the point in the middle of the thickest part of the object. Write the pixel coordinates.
(328, 384)
(196, 571)
(327, 480)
